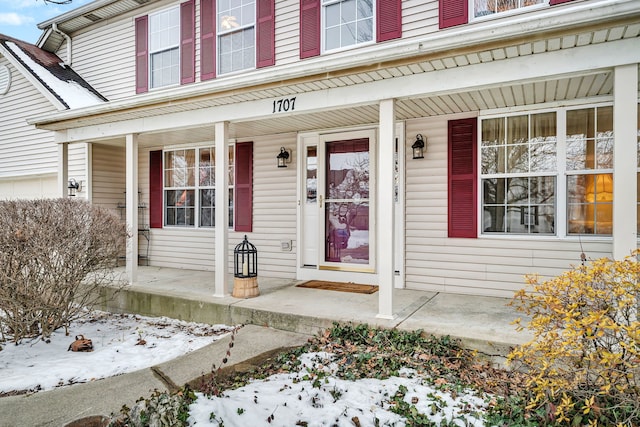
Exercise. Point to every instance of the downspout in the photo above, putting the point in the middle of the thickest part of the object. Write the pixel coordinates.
(68, 62)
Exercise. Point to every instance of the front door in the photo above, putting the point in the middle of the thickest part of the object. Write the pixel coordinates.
(345, 198)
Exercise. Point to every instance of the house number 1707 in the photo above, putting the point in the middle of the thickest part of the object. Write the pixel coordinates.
(284, 104)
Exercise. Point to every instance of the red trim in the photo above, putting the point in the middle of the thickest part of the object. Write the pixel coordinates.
(155, 189)
(188, 42)
(453, 12)
(462, 182)
(266, 33)
(142, 54)
(243, 192)
(555, 2)
(389, 16)
(309, 28)
(207, 39)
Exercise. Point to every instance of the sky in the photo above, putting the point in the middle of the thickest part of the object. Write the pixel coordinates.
(20, 18)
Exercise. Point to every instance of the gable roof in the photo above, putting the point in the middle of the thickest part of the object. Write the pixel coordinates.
(50, 75)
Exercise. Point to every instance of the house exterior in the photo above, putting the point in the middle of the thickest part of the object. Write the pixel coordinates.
(32, 82)
(304, 116)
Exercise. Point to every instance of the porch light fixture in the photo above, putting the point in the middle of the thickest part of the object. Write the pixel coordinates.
(418, 147)
(73, 186)
(283, 157)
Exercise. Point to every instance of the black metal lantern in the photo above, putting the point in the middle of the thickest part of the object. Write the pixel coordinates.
(418, 147)
(245, 260)
(73, 186)
(283, 158)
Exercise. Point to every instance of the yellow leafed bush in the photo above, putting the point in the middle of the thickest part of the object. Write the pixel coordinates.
(583, 363)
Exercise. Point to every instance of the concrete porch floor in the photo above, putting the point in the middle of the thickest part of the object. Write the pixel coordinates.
(482, 323)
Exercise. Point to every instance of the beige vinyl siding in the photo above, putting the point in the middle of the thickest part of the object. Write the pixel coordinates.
(486, 265)
(24, 150)
(274, 218)
(287, 32)
(419, 18)
(108, 176)
(112, 72)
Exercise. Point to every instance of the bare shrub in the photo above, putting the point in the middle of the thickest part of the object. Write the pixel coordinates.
(54, 254)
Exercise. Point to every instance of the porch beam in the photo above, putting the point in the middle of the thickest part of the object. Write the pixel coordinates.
(131, 200)
(386, 208)
(625, 131)
(221, 212)
(63, 169)
(579, 60)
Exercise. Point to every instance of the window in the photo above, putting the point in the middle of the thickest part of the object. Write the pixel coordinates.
(590, 171)
(489, 7)
(347, 22)
(520, 170)
(164, 47)
(518, 174)
(190, 201)
(236, 35)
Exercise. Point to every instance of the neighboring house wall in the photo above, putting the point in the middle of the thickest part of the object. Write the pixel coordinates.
(29, 156)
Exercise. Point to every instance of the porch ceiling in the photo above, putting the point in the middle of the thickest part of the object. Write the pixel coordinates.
(553, 90)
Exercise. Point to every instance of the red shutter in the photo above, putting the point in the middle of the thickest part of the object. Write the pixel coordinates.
(207, 39)
(188, 42)
(155, 189)
(243, 203)
(309, 28)
(389, 16)
(462, 189)
(266, 33)
(554, 2)
(453, 12)
(142, 54)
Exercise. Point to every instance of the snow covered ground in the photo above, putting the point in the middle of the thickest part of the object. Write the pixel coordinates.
(312, 396)
(307, 399)
(122, 343)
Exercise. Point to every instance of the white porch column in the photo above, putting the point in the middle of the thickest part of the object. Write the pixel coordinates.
(221, 212)
(386, 207)
(131, 199)
(63, 169)
(625, 118)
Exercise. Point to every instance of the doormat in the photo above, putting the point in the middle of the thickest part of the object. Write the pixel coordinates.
(339, 286)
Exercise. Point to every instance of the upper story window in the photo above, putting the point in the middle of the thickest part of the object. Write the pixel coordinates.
(489, 7)
(164, 47)
(236, 28)
(347, 22)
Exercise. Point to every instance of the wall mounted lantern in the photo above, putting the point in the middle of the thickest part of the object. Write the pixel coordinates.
(73, 186)
(283, 157)
(418, 147)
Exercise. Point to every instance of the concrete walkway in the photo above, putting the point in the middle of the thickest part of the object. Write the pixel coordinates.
(282, 316)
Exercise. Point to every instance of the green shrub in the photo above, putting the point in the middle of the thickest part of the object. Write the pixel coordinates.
(54, 254)
(583, 364)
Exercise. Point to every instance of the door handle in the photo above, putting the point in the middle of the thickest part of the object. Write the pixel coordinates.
(321, 199)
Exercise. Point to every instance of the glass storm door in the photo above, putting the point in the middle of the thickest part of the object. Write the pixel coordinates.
(346, 224)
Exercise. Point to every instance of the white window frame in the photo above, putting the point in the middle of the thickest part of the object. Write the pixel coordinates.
(168, 46)
(240, 29)
(197, 187)
(561, 194)
(323, 27)
(516, 10)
